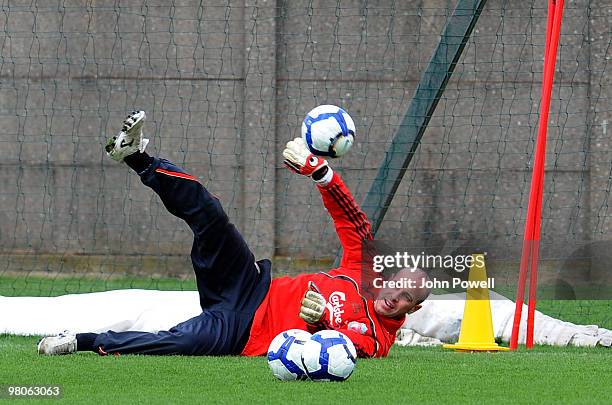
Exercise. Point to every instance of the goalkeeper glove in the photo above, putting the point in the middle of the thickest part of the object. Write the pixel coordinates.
(313, 307)
(299, 159)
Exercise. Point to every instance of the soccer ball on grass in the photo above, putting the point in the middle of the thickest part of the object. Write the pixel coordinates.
(285, 355)
(329, 355)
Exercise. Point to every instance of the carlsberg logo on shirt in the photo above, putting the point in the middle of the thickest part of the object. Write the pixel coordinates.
(335, 303)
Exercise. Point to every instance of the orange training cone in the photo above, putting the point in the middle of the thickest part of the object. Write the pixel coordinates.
(477, 326)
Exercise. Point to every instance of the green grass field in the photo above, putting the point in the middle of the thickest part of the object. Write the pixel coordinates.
(420, 375)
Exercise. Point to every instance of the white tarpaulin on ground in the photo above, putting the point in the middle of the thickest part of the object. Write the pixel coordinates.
(120, 310)
(149, 310)
(439, 321)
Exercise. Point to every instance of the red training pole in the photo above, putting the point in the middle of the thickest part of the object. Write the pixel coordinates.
(531, 237)
(549, 24)
(520, 287)
(549, 73)
(529, 220)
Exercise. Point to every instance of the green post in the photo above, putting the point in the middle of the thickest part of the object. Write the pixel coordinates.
(431, 86)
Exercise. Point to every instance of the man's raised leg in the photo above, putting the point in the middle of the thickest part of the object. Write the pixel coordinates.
(226, 273)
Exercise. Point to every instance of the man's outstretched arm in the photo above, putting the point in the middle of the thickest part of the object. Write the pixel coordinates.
(352, 225)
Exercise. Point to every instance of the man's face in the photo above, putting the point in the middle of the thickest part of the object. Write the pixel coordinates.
(396, 302)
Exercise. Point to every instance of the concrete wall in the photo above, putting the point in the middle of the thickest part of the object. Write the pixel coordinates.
(226, 84)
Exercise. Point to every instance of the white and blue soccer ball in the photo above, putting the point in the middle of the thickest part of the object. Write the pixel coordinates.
(285, 355)
(328, 131)
(329, 355)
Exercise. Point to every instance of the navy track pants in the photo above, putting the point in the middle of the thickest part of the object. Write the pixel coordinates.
(230, 283)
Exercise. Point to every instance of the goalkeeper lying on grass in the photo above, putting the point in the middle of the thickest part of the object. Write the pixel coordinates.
(242, 308)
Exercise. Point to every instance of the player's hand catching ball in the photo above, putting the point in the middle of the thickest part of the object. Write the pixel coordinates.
(313, 307)
(299, 159)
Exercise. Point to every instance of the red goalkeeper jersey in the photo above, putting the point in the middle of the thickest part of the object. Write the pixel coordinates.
(347, 310)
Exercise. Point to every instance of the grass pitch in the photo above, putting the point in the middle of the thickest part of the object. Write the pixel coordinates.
(421, 375)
